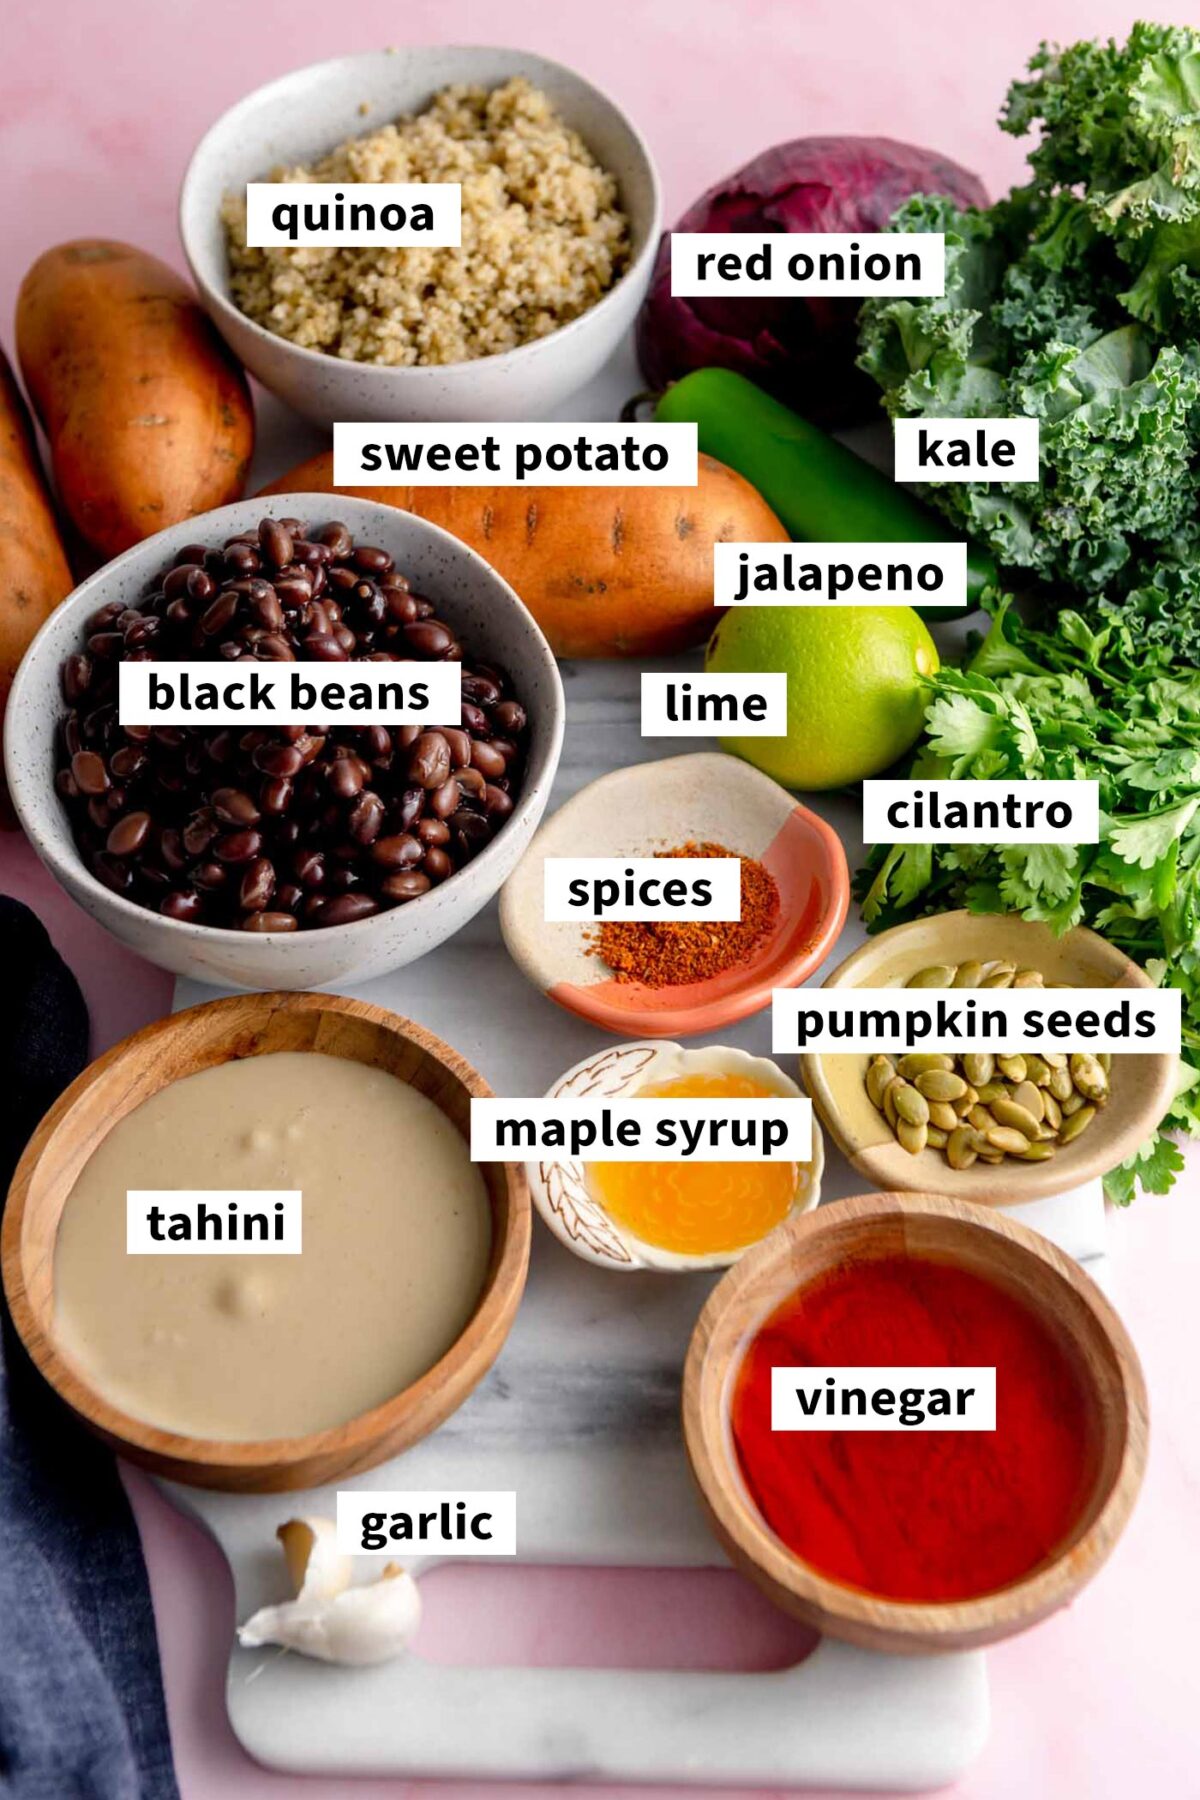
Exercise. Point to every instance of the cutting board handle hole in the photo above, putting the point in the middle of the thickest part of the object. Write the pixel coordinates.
(530, 1616)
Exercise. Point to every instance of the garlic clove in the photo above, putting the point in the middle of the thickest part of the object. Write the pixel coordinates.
(318, 1569)
(357, 1627)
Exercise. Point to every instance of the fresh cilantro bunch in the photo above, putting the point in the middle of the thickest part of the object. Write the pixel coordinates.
(1075, 300)
(1078, 704)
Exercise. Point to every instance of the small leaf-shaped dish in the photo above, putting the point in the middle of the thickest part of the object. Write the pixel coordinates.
(570, 1204)
(645, 811)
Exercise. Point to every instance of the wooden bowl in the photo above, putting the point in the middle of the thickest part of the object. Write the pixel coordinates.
(184, 1043)
(658, 806)
(1143, 1085)
(990, 1245)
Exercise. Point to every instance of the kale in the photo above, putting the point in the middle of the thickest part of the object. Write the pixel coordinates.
(1076, 300)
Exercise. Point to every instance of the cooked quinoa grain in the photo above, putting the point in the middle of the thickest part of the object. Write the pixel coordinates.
(543, 238)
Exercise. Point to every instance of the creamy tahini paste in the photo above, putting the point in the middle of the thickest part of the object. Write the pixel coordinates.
(396, 1238)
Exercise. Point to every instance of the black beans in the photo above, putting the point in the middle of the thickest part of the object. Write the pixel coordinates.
(429, 760)
(281, 828)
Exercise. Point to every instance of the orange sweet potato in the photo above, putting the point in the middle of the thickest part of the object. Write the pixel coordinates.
(605, 571)
(148, 416)
(34, 575)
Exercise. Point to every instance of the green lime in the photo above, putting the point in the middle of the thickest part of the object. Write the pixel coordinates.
(855, 700)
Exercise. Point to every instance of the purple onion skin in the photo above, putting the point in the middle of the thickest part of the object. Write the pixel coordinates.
(802, 351)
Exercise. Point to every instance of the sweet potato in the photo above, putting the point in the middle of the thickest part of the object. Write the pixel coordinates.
(34, 575)
(605, 571)
(148, 416)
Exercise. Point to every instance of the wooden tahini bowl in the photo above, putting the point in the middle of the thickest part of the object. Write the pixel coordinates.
(988, 1244)
(182, 1044)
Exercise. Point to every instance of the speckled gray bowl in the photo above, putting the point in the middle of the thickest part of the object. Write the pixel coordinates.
(295, 119)
(496, 628)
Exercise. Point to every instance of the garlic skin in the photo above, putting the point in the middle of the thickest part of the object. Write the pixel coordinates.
(330, 1620)
(318, 1569)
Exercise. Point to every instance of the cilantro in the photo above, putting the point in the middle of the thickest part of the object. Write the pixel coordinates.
(1076, 705)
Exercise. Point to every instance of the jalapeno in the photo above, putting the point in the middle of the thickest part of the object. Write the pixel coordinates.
(820, 491)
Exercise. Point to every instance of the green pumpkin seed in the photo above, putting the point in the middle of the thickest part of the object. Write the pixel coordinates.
(939, 1084)
(979, 1068)
(1054, 1059)
(960, 1150)
(1077, 1123)
(1031, 1098)
(1072, 1104)
(943, 1115)
(912, 1137)
(878, 1076)
(936, 1139)
(1089, 1077)
(992, 1090)
(1012, 1066)
(1007, 1112)
(1040, 1152)
(922, 1062)
(1028, 978)
(968, 975)
(1008, 1139)
(937, 975)
(912, 1108)
(889, 1099)
(1053, 1111)
(981, 1118)
(1061, 1085)
(1037, 1069)
(1001, 975)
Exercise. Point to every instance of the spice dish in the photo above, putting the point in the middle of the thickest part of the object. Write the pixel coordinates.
(654, 808)
(1141, 1084)
(205, 1040)
(470, 596)
(666, 1216)
(1087, 1415)
(301, 117)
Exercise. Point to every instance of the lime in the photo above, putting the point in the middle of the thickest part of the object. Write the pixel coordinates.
(854, 697)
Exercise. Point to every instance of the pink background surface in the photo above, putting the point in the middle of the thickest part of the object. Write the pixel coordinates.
(99, 109)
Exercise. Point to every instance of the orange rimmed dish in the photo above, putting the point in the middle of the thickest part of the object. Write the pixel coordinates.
(646, 811)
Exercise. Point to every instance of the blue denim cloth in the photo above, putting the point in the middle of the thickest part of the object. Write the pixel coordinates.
(81, 1702)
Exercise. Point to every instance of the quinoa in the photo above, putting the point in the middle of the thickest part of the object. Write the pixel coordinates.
(543, 238)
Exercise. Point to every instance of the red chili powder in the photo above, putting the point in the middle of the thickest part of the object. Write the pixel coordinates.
(918, 1515)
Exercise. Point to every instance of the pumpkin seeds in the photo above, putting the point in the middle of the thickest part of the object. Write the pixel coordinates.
(1077, 1123)
(981, 1107)
(924, 1063)
(912, 1108)
(939, 1084)
(938, 975)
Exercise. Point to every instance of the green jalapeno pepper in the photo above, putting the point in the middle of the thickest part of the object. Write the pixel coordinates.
(821, 491)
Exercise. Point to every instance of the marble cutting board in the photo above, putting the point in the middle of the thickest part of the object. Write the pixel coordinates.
(580, 1417)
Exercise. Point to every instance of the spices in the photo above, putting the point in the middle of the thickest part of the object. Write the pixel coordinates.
(698, 1209)
(672, 953)
(543, 238)
(929, 1516)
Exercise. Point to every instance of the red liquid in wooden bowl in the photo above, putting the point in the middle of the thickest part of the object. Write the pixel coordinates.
(922, 1516)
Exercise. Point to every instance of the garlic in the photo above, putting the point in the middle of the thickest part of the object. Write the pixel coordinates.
(329, 1619)
(317, 1567)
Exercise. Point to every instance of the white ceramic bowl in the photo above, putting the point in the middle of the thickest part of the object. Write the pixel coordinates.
(560, 1189)
(495, 626)
(304, 115)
